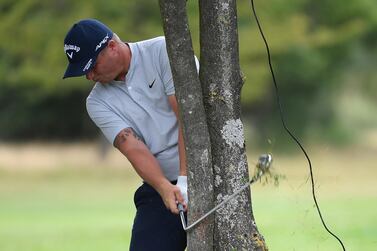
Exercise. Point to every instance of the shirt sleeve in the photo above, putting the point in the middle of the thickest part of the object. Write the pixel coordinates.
(107, 120)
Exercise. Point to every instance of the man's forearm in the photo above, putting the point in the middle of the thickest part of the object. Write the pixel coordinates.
(150, 171)
(143, 161)
(148, 168)
(181, 146)
(182, 153)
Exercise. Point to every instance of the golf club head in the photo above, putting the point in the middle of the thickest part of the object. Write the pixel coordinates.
(264, 162)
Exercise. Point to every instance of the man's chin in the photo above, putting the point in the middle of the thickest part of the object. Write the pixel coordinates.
(104, 82)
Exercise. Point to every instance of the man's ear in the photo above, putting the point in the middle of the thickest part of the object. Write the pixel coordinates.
(112, 44)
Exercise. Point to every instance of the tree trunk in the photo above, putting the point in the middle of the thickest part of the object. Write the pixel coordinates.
(192, 117)
(222, 81)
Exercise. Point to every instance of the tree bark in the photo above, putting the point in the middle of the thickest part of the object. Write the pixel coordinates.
(192, 116)
(222, 81)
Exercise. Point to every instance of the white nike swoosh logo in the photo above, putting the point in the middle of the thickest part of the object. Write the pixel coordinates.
(70, 55)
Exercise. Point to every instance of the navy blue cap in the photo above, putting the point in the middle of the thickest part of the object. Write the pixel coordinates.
(82, 44)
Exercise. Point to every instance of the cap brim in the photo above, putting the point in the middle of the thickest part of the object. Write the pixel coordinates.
(76, 69)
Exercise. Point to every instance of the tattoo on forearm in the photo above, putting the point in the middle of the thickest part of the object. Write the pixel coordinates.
(124, 134)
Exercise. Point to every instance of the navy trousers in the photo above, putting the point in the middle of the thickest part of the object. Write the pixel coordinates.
(155, 227)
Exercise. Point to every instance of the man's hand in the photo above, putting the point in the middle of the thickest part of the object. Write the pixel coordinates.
(171, 195)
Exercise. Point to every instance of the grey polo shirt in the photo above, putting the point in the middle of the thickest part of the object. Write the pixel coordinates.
(141, 102)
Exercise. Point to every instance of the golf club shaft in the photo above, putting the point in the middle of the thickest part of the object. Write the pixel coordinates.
(181, 211)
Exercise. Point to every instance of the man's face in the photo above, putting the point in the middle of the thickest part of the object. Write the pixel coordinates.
(107, 66)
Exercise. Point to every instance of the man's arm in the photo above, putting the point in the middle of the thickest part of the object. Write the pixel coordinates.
(148, 168)
(182, 178)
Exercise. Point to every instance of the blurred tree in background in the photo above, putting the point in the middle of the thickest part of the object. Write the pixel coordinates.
(324, 53)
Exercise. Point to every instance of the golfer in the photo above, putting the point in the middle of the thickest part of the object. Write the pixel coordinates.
(134, 105)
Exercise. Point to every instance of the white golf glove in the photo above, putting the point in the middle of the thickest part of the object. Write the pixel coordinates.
(182, 184)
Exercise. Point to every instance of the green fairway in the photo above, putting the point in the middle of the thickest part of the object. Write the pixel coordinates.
(66, 210)
(91, 208)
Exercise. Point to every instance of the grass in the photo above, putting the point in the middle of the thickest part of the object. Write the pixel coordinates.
(77, 204)
(66, 210)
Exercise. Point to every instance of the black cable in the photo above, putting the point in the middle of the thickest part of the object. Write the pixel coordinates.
(288, 131)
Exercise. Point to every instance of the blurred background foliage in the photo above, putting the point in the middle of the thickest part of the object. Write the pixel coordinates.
(60, 196)
(324, 54)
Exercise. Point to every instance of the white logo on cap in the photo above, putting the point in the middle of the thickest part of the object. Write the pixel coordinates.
(68, 47)
(87, 66)
(104, 40)
(71, 47)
